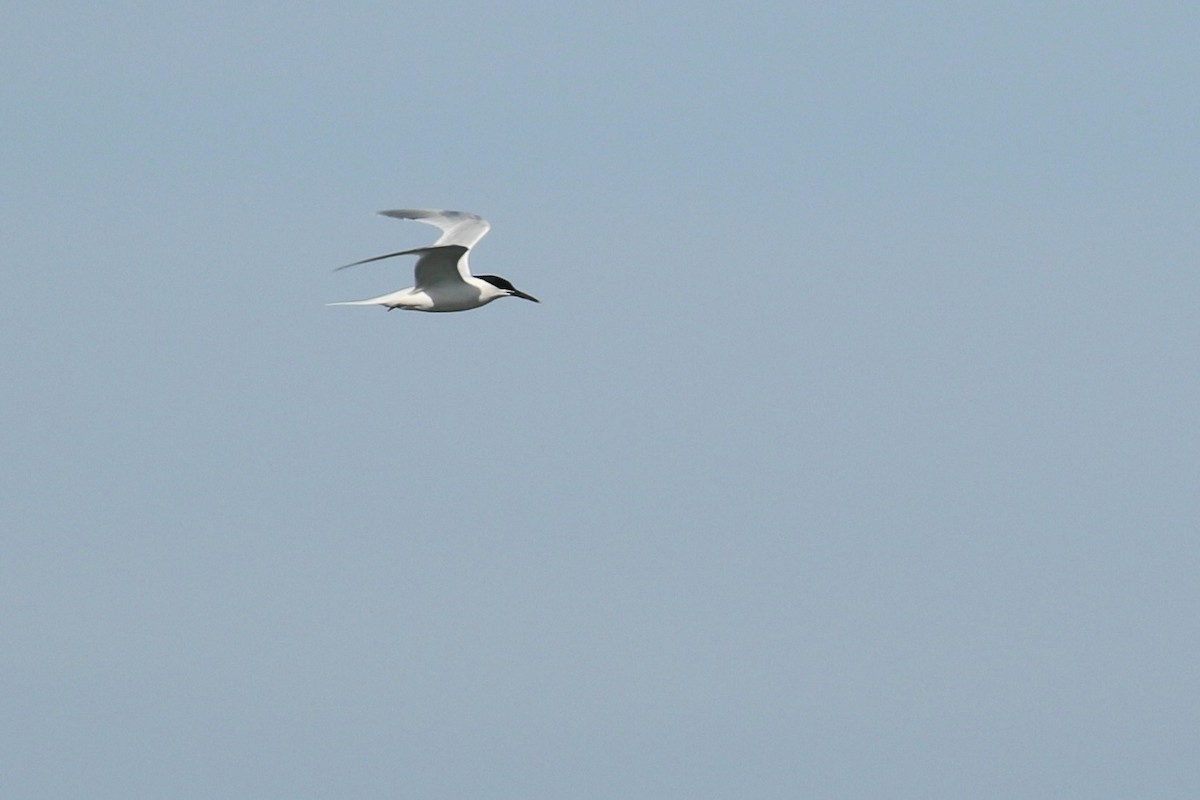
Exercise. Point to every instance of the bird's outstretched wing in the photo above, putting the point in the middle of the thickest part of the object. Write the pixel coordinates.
(434, 264)
(460, 231)
(381, 258)
(458, 227)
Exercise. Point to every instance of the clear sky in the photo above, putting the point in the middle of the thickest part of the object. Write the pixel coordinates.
(854, 451)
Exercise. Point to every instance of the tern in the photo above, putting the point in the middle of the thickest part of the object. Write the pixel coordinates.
(443, 279)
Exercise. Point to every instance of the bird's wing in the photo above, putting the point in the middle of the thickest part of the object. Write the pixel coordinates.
(458, 227)
(434, 264)
(380, 258)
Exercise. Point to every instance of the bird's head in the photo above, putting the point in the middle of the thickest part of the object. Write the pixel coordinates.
(504, 285)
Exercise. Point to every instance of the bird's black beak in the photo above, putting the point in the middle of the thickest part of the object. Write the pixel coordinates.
(523, 296)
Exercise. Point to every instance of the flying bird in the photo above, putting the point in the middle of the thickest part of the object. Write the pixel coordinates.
(443, 279)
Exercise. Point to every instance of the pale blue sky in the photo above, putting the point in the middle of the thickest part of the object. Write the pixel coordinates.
(853, 452)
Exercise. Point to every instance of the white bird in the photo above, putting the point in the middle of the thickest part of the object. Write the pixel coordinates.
(443, 279)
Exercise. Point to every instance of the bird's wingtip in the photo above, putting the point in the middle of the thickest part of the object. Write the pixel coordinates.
(409, 213)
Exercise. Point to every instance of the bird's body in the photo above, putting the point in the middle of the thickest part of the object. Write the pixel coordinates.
(443, 278)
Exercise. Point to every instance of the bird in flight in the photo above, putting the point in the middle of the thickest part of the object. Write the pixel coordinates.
(443, 279)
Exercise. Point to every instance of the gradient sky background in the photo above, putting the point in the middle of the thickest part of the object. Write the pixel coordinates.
(854, 451)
